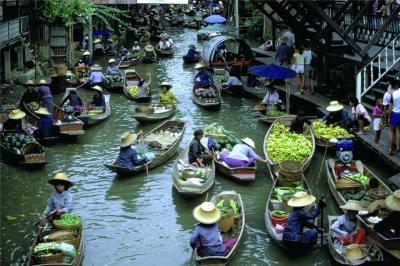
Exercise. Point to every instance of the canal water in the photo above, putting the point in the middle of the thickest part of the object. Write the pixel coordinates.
(142, 220)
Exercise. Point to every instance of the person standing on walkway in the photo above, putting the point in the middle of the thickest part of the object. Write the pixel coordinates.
(290, 38)
(377, 113)
(298, 63)
(394, 117)
(308, 82)
(45, 96)
(283, 53)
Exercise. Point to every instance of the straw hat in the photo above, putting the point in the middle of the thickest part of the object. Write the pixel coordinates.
(29, 82)
(206, 213)
(249, 142)
(86, 53)
(392, 202)
(42, 111)
(301, 199)
(128, 138)
(16, 114)
(165, 83)
(199, 65)
(96, 67)
(334, 106)
(149, 48)
(352, 205)
(60, 177)
(42, 82)
(97, 88)
(355, 252)
(97, 40)
(192, 46)
(112, 60)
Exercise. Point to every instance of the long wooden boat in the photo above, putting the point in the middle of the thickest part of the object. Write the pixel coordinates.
(188, 60)
(374, 253)
(148, 113)
(164, 52)
(78, 259)
(274, 166)
(161, 156)
(114, 86)
(208, 103)
(237, 232)
(292, 248)
(130, 62)
(29, 154)
(325, 143)
(222, 75)
(87, 118)
(132, 78)
(339, 185)
(189, 189)
(260, 109)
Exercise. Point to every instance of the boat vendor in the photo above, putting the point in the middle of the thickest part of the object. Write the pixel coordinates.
(128, 157)
(206, 236)
(96, 76)
(337, 115)
(166, 96)
(242, 155)
(165, 44)
(300, 218)
(85, 60)
(136, 47)
(73, 100)
(45, 95)
(61, 200)
(203, 79)
(297, 125)
(30, 95)
(112, 69)
(344, 229)
(98, 99)
(98, 48)
(390, 225)
(272, 95)
(192, 53)
(234, 81)
(14, 121)
(143, 86)
(45, 123)
(111, 46)
(197, 153)
(149, 52)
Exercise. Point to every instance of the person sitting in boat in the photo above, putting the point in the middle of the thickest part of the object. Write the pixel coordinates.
(98, 48)
(242, 155)
(149, 52)
(128, 157)
(165, 44)
(30, 95)
(197, 150)
(96, 76)
(45, 95)
(85, 60)
(192, 54)
(271, 98)
(73, 100)
(136, 47)
(300, 218)
(337, 115)
(143, 86)
(390, 225)
(207, 237)
(98, 99)
(14, 121)
(111, 45)
(344, 229)
(167, 97)
(221, 51)
(112, 69)
(234, 81)
(61, 200)
(297, 125)
(45, 123)
(203, 79)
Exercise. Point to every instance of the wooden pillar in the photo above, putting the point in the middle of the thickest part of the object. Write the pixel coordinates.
(7, 64)
(90, 41)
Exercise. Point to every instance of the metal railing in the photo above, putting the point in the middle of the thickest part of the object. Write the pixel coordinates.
(12, 29)
(378, 67)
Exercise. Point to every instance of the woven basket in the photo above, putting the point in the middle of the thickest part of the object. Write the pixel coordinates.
(61, 70)
(56, 258)
(289, 172)
(226, 222)
(57, 225)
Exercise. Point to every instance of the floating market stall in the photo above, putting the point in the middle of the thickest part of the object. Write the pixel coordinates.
(149, 113)
(131, 81)
(324, 133)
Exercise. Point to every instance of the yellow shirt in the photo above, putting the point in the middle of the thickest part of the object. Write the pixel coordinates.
(168, 98)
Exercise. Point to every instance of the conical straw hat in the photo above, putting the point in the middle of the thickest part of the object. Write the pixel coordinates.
(42, 111)
(128, 138)
(392, 202)
(301, 199)
(60, 177)
(352, 205)
(249, 142)
(334, 106)
(206, 213)
(16, 114)
(355, 252)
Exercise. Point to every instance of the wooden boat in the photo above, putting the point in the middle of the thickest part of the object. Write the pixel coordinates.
(114, 86)
(30, 154)
(131, 62)
(292, 248)
(189, 189)
(149, 59)
(339, 185)
(132, 78)
(260, 108)
(188, 60)
(237, 231)
(373, 251)
(220, 76)
(94, 119)
(208, 103)
(164, 52)
(325, 143)
(274, 166)
(161, 155)
(255, 92)
(148, 113)
(80, 252)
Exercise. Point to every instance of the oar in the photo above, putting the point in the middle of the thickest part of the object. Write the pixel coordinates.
(322, 223)
(145, 165)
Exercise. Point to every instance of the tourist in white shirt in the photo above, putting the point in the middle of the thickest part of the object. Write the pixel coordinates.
(360, 115)
(165, 44)
(290, 37)
(308, 82)
(394, 117)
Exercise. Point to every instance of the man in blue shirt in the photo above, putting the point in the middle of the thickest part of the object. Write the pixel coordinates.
(128, 157)
(283, 53)
(97, 77)
(45, 122)
(203, 79)
(192, 53)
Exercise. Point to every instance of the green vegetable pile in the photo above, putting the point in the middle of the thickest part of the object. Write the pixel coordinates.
(279, 214)
(226, 207)
(322, 130)
(84, 74)
(45, 249)
(215, 128)
(69, 219)
(33, 106)
(70, 77)
(223, 139)
(95, 111)
(15, 141)
(273, 111)
(357, 176)
(133, 91)
(206, 94)
(113, 78)
(283, 145)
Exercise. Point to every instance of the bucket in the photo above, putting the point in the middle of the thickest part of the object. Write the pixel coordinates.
(226, 222)
(278, 220)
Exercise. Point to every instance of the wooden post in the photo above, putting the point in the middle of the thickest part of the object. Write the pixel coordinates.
(237, 16)
(90, 40)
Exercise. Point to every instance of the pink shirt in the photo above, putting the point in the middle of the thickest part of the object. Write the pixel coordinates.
(377, 111)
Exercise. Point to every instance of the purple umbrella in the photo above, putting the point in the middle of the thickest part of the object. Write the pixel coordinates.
(215, 19)
(272, 71)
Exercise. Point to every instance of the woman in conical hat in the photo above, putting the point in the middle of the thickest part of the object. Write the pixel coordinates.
(206, 236)
(167, 97)
(390, 225)
(128, 157)
(203, 79)
(61, 200)
(14, 121)
(30, 95)
(45, 122)
(298, 217)
(337, 115)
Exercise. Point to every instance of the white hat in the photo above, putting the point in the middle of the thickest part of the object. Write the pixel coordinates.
(128, 138)
(352, 205)
(42, 82)
(42, 111)
(29, 82)
(392, 202)
(334, 106)
(86, 53)
(249, 142)
(355, 252)
(16, 114)
(96, 67)
(301, 199)
(97, 40)
(206, 213)
(97, 88)
(112, 60)
(199, 65)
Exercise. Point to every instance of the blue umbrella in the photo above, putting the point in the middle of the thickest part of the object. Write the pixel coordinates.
(272, 71)
(215, 19)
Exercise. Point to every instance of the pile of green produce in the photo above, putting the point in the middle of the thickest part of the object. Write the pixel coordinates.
(357, 176)
(273, 111)
(322, 130)
(190, 173)
(279, 214)
(95, 111)
(70, 77)
(33, 106)
(223, 138)
(206, 94)
(113, 78)
(15, 141)
(227, 206)
(69, 219)
(46, 249)
(283, 145)
(220, 78)
(215, 128)
(84, 74)
(133, 91)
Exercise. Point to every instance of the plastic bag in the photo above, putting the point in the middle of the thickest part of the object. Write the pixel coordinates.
(67, 249)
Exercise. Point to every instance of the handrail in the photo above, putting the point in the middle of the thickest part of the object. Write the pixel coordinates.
(13, 29)
(384, 47)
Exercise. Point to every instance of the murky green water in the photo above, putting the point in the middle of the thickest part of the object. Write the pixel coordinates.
(142, 220)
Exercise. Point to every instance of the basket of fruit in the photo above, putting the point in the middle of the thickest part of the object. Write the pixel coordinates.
(279, 217)
(47, 253)
(68, 221)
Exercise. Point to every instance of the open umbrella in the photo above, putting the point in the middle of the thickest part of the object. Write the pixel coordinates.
(275, 72)
(215, 19)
